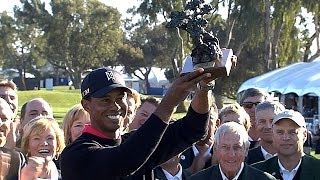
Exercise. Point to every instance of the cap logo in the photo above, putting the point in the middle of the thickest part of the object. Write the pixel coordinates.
(110, 75)
(85, 92)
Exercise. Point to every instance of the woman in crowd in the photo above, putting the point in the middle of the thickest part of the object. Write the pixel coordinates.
(235, 113)
(73, 123)
(42, 141)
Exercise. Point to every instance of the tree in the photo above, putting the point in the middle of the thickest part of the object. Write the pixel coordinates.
(145, 48)
(80, 34)
(21, 44)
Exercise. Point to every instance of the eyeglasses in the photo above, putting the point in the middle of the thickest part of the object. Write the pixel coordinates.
(249, 105)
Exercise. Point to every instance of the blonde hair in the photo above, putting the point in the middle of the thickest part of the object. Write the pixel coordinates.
(38, 126)
(74, 113)
(236, 109)
(8, 83)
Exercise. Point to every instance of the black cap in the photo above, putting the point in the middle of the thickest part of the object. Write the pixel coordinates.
(101, 81)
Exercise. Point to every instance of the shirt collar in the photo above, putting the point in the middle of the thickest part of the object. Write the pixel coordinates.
(285, 172)
(266, 154)
(171, 177)
(196, 151)
(91, 130)
(224, 177)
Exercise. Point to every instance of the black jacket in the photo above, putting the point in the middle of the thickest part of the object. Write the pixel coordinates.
(248, 172)
(92, 157)
(254, 155)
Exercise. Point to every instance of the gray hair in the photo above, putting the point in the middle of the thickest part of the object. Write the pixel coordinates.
(232, 127)
(275, 105)
(251, 92)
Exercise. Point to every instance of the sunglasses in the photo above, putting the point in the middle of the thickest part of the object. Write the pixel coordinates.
(249, 105)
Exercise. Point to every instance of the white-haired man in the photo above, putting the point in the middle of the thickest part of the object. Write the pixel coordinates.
(231, 145)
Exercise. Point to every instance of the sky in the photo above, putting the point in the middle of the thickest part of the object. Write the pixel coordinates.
(122, 6)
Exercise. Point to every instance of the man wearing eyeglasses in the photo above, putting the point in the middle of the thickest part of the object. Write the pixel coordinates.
(249, 100)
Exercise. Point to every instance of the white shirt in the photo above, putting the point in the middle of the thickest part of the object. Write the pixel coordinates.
(224, 177)
(286, 174)
(178, 176)
(196, 151)
(266, 154)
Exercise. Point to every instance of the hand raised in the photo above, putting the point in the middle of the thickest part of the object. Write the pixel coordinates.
(181, 87)
(37, 167)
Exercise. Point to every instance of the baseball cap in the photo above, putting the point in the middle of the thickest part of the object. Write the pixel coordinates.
(101, 81)
(295, 116)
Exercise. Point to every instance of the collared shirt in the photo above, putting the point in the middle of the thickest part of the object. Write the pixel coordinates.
(286, 174)
(250, 139)
(266, 154)
(91, 130)
(224, 177)
(178, 176)
(196, 151)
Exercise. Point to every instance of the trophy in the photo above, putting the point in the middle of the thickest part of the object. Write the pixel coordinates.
(206, 53)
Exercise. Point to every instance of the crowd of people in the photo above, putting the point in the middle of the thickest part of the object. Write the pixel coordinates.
(116, 134)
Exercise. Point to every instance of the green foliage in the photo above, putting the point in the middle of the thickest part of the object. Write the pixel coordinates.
(21, 45)
(80, 34)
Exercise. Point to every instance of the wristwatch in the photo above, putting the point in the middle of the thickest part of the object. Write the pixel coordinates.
(206, 87)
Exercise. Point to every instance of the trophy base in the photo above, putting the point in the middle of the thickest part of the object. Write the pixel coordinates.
(217, 72)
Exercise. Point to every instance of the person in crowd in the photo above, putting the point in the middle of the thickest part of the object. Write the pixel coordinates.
(289, 134)
(9, 92)
(307, 146)
(316, 140)
(265, 112)
(74, 122)
(171, 170)
(231, 145)
(147, 107)
(235, 113)
(42, 141)
(33, 108)
(102, 153)
(134, 103)
(249, 100)
(199, 155)
(11, 161)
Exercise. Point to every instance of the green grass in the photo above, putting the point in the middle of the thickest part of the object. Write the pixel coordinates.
(315, 155)
(60, 98)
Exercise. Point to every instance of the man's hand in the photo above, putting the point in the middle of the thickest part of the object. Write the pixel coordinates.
(181, 87)
(11, 139)
(5, 159)
(178, 91)
(200, 159)
(37, 167)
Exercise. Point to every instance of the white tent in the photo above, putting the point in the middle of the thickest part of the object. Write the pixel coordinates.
(300, 78)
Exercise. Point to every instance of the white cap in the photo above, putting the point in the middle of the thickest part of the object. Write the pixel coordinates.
(295, 116)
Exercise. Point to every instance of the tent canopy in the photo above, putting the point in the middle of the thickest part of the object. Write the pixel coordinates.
(300, 78)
